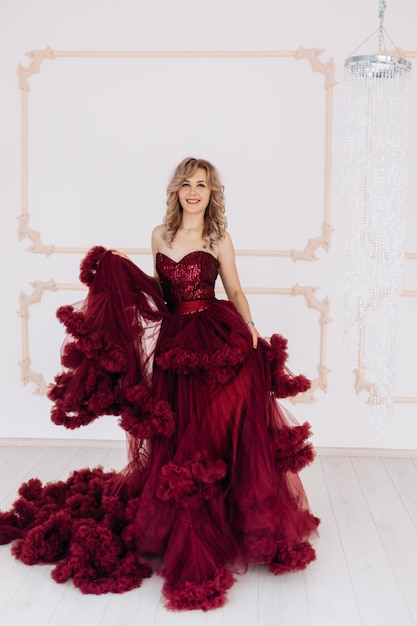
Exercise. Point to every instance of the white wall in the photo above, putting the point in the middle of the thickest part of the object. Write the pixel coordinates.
(101, 151)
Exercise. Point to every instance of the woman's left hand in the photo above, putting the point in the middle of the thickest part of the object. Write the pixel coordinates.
(255, 335)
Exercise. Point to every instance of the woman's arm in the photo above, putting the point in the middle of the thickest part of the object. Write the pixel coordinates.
(156, 241)
(231, 283)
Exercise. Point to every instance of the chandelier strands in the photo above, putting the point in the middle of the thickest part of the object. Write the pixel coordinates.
(374, 189)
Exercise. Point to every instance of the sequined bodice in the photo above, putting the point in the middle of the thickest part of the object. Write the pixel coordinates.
(191, 278)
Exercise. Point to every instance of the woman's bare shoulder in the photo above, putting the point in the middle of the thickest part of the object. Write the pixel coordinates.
(225, 245)
(158, 230)
(158, 237)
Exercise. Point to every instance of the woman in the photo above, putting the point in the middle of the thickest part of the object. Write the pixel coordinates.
(195, 222)
(212, 484)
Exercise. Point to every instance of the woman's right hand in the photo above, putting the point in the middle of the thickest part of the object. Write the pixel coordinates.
(117, 253)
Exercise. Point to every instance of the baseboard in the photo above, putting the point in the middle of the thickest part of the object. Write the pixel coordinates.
(374, 452)
(63, 443)
(120, 443)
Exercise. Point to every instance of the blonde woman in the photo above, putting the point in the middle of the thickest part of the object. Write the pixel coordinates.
(212, 486)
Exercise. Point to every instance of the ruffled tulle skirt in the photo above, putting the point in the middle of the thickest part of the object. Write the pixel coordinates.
(211, 486)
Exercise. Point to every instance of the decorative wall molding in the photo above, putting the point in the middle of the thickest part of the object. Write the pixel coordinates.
(323, 306)
(362, 384)
(25, 301)
(34, 67)
(308, 291)
(309, 253)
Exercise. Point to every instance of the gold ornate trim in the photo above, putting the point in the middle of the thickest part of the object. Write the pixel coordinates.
(25, 301)
(309, 253)
(362, 384)
(407, 293)
(34, 67)
(323, 306)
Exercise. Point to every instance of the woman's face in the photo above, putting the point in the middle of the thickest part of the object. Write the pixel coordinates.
(194, 194)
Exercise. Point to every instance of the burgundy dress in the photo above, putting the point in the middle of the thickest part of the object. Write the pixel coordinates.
(211, 486)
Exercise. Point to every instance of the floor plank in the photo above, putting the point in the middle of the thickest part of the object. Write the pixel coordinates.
(6, 453)
(282, 600)
(78, 609)
(348, 501)
(143, 602)
(242, 604)
(12, 574)
(365, 573)
(17, 469)
(394, 526)
(377, 591)
(330, 593)
(403, 474)
(35, 598)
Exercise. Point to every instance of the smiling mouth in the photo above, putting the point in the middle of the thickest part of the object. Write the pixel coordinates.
(193, 200)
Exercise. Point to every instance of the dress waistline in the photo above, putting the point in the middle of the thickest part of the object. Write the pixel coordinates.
(191, 306)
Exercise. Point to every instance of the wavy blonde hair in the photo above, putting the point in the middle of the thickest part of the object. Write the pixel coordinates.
(215, 222)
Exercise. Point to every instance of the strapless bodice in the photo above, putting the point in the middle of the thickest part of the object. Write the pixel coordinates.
(192, 278)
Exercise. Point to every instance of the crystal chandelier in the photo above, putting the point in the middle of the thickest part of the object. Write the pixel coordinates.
(374, 188)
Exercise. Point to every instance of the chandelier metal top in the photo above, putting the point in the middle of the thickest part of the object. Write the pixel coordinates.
(379, 65)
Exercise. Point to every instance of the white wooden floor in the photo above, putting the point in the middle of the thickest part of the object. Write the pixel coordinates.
(365, 573)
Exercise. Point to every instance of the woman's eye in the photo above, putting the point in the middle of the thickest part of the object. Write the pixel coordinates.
(201, 185)
(185, 184)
